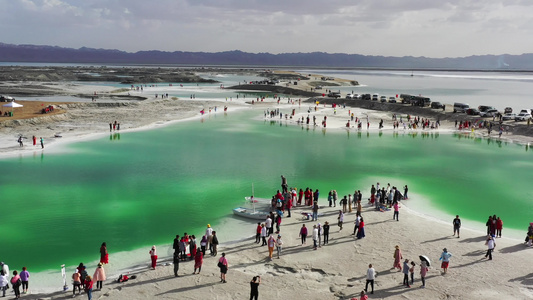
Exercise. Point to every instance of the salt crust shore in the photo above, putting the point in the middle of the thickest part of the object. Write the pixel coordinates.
(335, 271)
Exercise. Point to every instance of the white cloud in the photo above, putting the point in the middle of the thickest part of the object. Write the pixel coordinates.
(373, 27)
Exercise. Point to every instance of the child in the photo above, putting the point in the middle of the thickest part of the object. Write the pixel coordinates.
(412, 271)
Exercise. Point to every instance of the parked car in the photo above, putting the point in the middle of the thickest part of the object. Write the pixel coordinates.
(507, 110)
(484, 108)
(488, 113)
(349, 96)
(366, 97)
(509, 116)
(392, 99)
(383, 99)
(522, 116)
(334, 95)
(472, 111)
(375, 97)
(436, 105)
(318, 87)
(460, 107)
(357, 96)
(4, 98)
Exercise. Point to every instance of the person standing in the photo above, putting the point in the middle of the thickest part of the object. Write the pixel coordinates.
(491, 244)
(104, 256)
(254, 287)
(397, 258)
(445, 257)
(405, 190)
(325, 228)
(153, 257)
(16, 282)
(303, 233)
(176, 263)
(456, 225)
(284, 185)
(176, 244)
(361, 231)
(88, 287)
(214, 241)
(405, 272)
(3, 283)
(279, 244)
(396, 210)
(315, 196)
(263, 234)
(423, 271)
(25, 277)
(315, 211)
(42, 143)
(258, 233)
(344, 203)
(370, 276)
(223, 265)
(330, 198)
(335, 197)
(203, 244)
(198, 261)
(271, 244)
(268, 225)
(340, 219)
(99, 276)
(315, 237)
(209, 236)
(34, 138)
(499, 227)
(412, 272)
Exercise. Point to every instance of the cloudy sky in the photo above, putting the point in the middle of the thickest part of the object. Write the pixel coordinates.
(432, 28)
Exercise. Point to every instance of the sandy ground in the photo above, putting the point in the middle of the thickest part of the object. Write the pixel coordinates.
(335, 271)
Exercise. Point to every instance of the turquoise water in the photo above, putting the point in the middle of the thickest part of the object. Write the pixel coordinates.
(145, 187)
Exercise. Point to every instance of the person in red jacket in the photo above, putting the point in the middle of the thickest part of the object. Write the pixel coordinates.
(499, 227)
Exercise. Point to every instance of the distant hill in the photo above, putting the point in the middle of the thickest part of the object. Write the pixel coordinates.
(51, 54)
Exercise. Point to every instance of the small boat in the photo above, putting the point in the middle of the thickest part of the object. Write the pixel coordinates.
(258, 200)
(250, 213)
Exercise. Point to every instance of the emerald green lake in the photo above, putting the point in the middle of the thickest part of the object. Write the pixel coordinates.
(141, 188)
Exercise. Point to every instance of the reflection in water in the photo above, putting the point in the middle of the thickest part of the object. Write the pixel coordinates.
(114, 136)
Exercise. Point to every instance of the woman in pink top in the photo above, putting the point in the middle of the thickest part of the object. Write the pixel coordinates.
(223, 265)
(423, 272)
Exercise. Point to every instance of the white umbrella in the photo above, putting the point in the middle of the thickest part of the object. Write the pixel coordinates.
(12, 104)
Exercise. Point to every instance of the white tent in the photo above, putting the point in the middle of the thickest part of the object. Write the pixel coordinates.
(12, 104)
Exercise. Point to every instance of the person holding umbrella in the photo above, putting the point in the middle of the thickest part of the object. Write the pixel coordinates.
(424, 268)
(445, 257)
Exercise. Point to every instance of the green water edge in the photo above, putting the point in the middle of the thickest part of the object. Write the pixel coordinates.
(147, 186)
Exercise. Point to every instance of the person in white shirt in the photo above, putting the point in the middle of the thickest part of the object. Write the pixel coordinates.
(279, 242)
(268, 225)
(209, 236)
(491, 244)
(315, 237)
(370, 276)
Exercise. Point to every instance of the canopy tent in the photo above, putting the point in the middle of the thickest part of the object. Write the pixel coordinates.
(12, 104)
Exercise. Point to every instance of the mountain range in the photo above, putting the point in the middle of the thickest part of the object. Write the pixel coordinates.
(53, 54)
